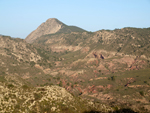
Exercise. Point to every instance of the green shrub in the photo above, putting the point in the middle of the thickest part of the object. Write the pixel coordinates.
(113, 78)
(60, 84)
(32, 63)
(2, 79)
(141, 93)
(10, 85)
(25, 87)
(37, 96)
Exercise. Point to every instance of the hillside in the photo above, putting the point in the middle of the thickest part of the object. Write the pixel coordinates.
(18, 49)
(18, 97)
(87, 64)
(20, 72)
(131, 41)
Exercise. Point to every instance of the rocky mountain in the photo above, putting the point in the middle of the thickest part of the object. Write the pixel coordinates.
(51, 26)
(72, 70)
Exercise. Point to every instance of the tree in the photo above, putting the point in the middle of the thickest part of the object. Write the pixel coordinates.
(60, 83)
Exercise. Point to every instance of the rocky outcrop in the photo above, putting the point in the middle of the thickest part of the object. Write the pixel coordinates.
(51, 26)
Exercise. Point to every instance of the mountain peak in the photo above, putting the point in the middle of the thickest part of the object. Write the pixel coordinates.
(52, 19)
(51, 26)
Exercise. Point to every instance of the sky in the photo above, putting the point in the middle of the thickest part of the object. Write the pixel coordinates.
(18, 18)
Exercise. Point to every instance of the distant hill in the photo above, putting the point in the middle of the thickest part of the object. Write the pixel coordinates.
(51, 26)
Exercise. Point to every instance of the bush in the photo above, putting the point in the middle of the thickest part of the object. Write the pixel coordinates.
(25, 87)
(37, 96)
(60, 84)
(113, 78)
(32, 63)
(2, 79)
(10, 86)
(141, 93)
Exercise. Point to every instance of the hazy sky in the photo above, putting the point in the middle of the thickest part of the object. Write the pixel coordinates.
(18, 18)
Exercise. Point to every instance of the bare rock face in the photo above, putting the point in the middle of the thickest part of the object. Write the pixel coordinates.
(51, 26)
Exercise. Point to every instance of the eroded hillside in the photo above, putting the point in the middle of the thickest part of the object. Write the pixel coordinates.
(96, 65)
